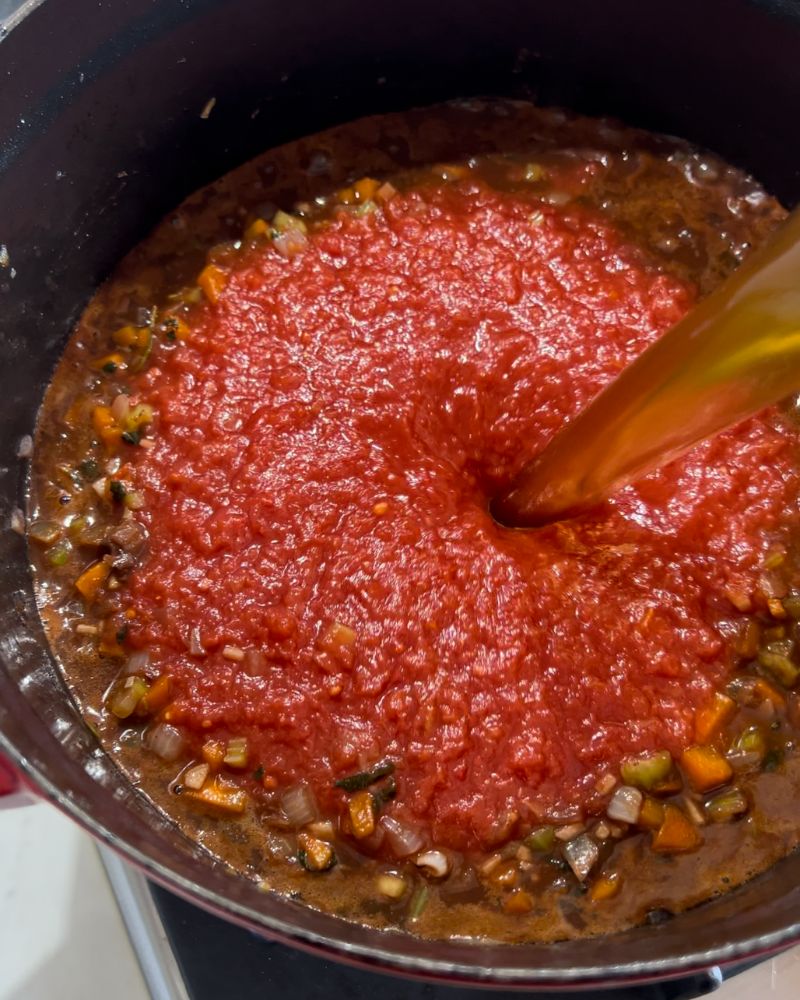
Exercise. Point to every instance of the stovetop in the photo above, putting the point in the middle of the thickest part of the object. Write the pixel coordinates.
(188, 954)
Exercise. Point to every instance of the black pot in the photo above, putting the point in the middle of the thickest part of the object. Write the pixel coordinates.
(100, 133)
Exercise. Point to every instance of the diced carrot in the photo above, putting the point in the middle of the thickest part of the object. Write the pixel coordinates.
(115, 359)
(213, 752)
(605, 887)
(518, 902)
(315, 855)
(219, 797)
(709, 721)
(676, 833)
(181, 329)
(346, 196)
(111, 646)
(651, 814)
(776, 608)
(768, 692)
(362, 814)
(92, 579)
(255, 229)
(109, 432)
(212, 280)
(131, 336)
(158, 695)
(365, 188)
(705, 768)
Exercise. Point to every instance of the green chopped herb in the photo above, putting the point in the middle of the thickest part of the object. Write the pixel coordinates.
(363, 779)
(131, 437)
(110, 367)
(59, 554)
(773, 760)
(122, 633)
(170, 328)
(384, 793)
(118, 491)
(140, 359)
(89, 470)
(258, 774)
(418, 902)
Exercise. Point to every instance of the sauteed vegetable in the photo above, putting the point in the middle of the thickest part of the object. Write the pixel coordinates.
(264, 555)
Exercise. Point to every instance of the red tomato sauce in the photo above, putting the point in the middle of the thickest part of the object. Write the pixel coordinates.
(328, 439)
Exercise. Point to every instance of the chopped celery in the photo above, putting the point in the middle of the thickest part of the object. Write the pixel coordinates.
(647, 770)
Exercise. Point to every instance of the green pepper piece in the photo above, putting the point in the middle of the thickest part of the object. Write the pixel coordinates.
(58, 554)
(726, 806)
(646, 770)
(775, 659)
(541, 839)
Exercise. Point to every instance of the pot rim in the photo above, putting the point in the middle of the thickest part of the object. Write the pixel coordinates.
(374, 953)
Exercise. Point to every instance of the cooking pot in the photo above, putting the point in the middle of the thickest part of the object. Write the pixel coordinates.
(105, 125)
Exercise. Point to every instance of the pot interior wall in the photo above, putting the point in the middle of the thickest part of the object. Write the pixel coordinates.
(101, 132)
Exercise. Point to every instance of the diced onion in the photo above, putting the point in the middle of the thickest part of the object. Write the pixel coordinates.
(323, 829)
(289, 244)
(138, 663)
(194, 644)
(403, 839)
(605, 784)
(45, 532)
(165, 741)
(433, 863)
(254, 663)
(120, 407)
(625, 804)
(237, 752)
(195, 777)
(299, 805)
(581, 854)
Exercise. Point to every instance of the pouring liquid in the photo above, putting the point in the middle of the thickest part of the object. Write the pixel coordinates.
(737, 352)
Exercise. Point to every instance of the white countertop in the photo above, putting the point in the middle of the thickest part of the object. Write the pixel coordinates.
(62, 937)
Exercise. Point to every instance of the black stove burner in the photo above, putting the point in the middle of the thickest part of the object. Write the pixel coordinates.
(219, 960)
